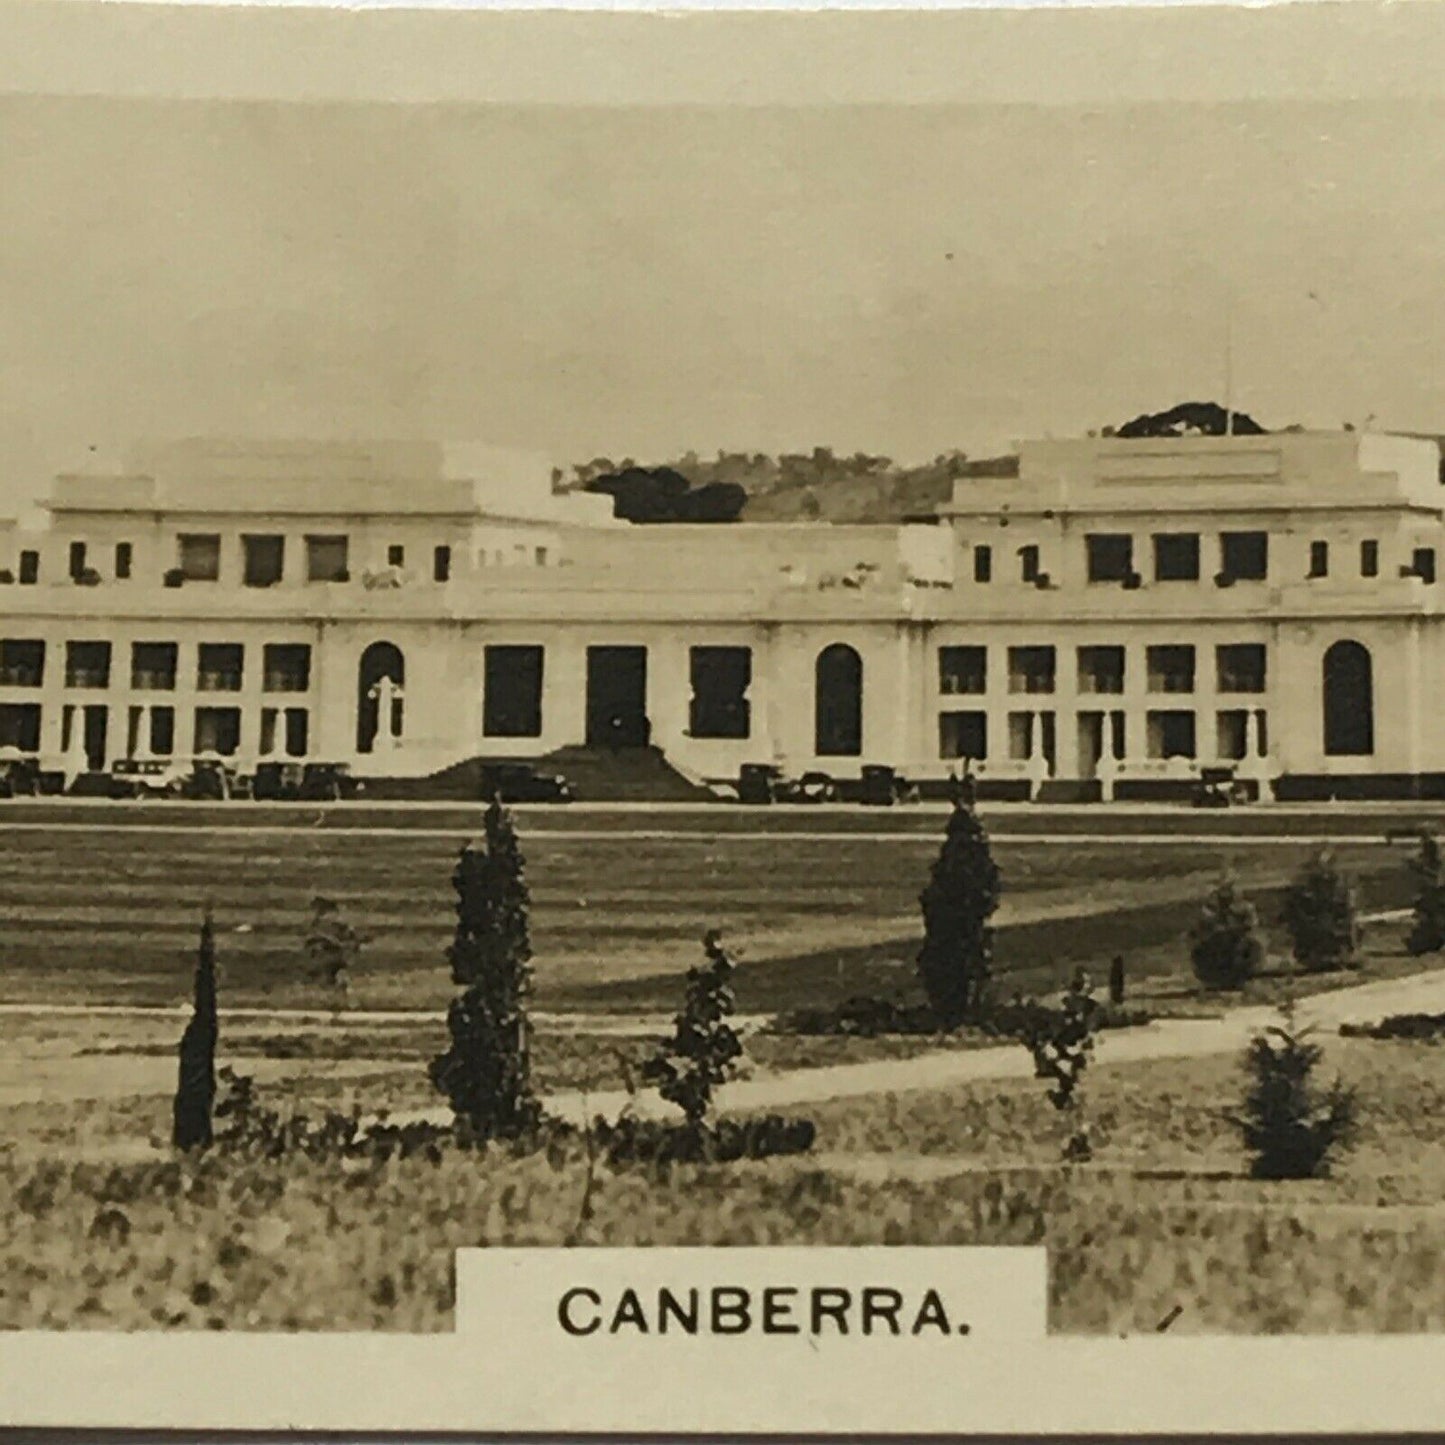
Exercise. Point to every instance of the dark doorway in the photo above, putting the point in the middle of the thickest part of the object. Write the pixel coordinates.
(617, 697)
(838, 698)
(1349, 701)
(512, 692)
(380, 660)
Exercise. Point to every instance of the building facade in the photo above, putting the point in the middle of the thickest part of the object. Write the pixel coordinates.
(1119, 615)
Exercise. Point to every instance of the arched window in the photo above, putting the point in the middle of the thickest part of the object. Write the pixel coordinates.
(380, 660)
(1349, 701)
(838, 716)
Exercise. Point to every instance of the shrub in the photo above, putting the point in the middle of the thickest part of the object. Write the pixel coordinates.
(631, 1141)
(1290, 1128)
(196, 1087)
(703, 1048)
(1429, 1027)
(1427, 931)
(1116, 980)
(332, 944)
(1224, 944)
(955, 963)
(1319, 912)
(1061, 1041)
(862, 1016)
(486, 1073)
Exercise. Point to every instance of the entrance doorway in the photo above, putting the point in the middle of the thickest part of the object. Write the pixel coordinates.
(838, 702)
(617, 697)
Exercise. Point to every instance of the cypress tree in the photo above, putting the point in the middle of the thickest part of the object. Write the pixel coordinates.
(196, 1087)
(1319, 911)
(1427, 932)
(1224, 945)
(956, 960)
(486, 1073)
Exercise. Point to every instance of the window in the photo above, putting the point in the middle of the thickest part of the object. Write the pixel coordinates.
(962, 669)
(1030, 733)
(285, 667)
(1422, 563)
(983, 563)
(1111, 556)
(1170, 734)
(1176, 556)
(1101, 669)
(298, 730)
(87, 664)
(1236, 729)
(1369, 559)
(512, 692)
(122, 560)
(1319, 559)
(1244, 556)
(153, 666)
(20, 726)
(1029, 563)
(264, 560)
(1171, 668)
(218, 730)
(1031, 669)
(163, 731)
(963, 735)
(1240, 667)
(327, 559)
(441, 564)
(199, 556)
(219, 667)
(721, 677)
(541, 556)
(22, 662)
(77, 560)
(396, 556)
(29, 568)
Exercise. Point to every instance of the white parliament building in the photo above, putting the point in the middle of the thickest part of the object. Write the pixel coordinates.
(1129, 611)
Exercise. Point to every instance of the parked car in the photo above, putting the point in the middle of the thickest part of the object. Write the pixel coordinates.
(523, 783)
(148, 778)
(19, 774)
(277, 781)
(328, 782)
(882, 786)
(811, 787)
(1218, 788)
(759, 783)
(212, 778)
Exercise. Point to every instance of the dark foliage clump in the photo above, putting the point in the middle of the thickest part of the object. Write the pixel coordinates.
(1425, 1028)
(632, 1141)
(1224, 944)
(1192, 418)
(1320, 914)
(660, 494)
(862, 1016)
(1427, 929)
(196, 1087)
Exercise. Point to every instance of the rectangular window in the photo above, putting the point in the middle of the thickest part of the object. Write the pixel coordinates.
(1422, 563)
(123, 553)
(327, 559)
(199, 556)
(1244, 556)
(286, 667)
(87, 664)
(22, 662)
(218, 667)
(963, 735)
(1232, 734)
(1031, 669)
(541, 556)
(1111, 556)
(163, 731)
(1240, 667)
(983, 563)
(77, 560)
(441, 564)
(298, 730)
(962, 670)
(29, 568)
(396, 556)
(1369, 559)
(721, 677)
(1029, 563)
(264, 559)
(1171, 668)
(267, 745)
(1176, 556)
(1030, 733)
(218, 730)
(153, 666)
(1170, 734)
(512, 692)
(1101, 669)
(20, 726)
(1319, 559)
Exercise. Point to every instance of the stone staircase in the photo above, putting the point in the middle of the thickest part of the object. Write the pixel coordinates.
(624, 775)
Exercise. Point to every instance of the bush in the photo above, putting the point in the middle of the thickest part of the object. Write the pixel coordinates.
(1427, 931)
(1224, 944)
(486, 1073)
(1426, 1027)
(1289, 1127)
(332, 944)
(196, 1087)
(1319, 912)
(650, 1142)
(862, 1016)
(1061, 1041)
(955, 964)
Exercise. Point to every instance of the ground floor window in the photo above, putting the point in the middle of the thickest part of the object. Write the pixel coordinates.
(20, 726)
(218, 730)
(719, 707)
(963, 735)
(284, 730)
(1171, 734)
(1031, 733)
(1237, 729)
(512, 692)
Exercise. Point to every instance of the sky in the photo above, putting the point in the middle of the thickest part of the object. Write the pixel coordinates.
(641, 280)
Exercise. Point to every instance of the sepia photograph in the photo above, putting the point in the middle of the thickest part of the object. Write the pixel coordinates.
(757, 648)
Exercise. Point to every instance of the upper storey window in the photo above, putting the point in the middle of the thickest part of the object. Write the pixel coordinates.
(1176, 557)
(200, 556)
(1111, 556)
(983, 563)
(327, 559)
(1319, 559)
(1369, 559)
(1422, 563)
(1244, 556)
(265, 559)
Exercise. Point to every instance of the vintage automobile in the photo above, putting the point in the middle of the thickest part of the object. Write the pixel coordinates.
(148, 778)
(19, 774)
(882, 786)
(759, 783)
(524, 783)
(811, 787)
(1218, 788)
(328, 783)
(275, 781)
(213, 779)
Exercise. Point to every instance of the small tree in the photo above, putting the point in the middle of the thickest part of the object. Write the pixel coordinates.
(1427, 932)
(332, 944)
(704, 1048)
(1319, 912)
(1289, 1126)
(1116, 981)
(196, 1087)
(486, 1073)
(955, 963)
(1061, 1041)
(1224, 944)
